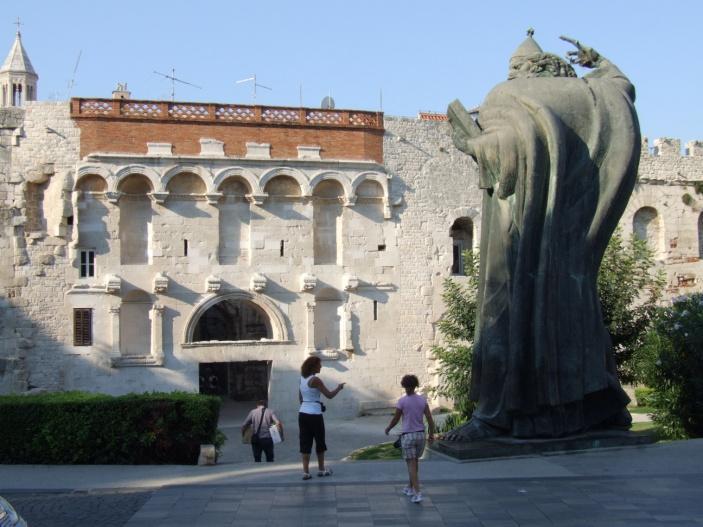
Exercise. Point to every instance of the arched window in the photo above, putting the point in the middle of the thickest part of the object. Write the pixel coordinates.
(327, 222)
(700, 235)
(135, 324)
(231, 320)
(93, 233)
(282, 216)
(135, 220)
(462, 233)
(646, 226)
(235, 218)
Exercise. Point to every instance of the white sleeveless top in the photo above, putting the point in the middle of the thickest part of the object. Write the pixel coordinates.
(311, 397)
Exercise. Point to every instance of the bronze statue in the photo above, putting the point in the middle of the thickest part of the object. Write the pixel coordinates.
(558, 158)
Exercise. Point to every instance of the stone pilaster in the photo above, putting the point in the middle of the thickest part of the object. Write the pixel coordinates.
(115, 325)
(310, 326)
(157, 334)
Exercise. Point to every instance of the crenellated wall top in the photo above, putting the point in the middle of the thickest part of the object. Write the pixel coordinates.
(671, 147)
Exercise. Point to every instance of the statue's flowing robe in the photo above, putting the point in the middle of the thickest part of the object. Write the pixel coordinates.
(558, 161)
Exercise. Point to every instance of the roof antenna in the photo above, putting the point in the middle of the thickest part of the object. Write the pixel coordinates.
(254, 86)
(72, 82)
(174, 80)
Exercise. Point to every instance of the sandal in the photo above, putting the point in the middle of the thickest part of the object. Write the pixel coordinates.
(322, 473)
(306, 476)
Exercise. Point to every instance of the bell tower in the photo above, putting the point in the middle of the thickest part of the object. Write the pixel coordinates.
(18, 80)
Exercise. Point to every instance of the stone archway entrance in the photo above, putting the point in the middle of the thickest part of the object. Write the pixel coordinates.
(238, 381)
(231, 320)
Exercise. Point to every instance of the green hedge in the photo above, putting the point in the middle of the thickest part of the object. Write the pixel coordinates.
(84, 428)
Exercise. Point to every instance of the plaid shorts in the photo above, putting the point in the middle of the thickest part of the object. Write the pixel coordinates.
(412, 445)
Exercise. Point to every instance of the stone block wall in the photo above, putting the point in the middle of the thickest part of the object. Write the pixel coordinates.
(376, 306)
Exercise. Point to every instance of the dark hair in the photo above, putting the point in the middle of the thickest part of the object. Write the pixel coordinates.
(409, 382)
(309, 365)
(261, 402)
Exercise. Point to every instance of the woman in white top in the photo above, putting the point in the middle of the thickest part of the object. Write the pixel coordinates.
(310, 420)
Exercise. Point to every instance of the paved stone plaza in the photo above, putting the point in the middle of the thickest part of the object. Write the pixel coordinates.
(616, 501)
(637, 486)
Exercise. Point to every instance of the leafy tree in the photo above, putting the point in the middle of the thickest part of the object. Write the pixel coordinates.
(629, 291)
(457, 327)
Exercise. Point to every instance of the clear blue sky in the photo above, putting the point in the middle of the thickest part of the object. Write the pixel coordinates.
(421, 54)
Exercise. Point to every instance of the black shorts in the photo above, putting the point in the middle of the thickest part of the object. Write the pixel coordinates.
(312, 426)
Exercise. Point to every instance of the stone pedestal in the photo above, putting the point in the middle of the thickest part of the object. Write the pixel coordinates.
(510, 446)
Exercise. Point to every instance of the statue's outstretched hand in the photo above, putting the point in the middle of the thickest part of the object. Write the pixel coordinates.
(583, 56)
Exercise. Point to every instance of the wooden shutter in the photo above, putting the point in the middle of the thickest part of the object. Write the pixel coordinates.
(82, 327)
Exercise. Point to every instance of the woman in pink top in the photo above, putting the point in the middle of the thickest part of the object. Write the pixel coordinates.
(412, 407)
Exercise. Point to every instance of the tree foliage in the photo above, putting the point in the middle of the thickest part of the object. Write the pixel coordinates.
(629, 290)
(457, 327)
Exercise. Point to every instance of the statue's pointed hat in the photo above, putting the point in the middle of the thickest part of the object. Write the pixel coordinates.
(528, 47)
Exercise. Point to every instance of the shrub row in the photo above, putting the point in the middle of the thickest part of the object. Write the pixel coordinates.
(83, 428)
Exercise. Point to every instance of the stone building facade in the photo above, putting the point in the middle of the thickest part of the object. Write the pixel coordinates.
(151, 245)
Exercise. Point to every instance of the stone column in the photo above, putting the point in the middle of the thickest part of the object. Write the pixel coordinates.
(115, 323)
(157, 336)
(310, 322)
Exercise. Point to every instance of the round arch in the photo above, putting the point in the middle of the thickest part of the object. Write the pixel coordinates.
(147, 172)
(290, 172)
(91, 183)
(93, 170)
(378, 177)
(331, 175)
(202, 172)
(276, 318)
(246, 175)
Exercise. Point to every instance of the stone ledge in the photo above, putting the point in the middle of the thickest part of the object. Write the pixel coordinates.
(146, 361)
(510, 446)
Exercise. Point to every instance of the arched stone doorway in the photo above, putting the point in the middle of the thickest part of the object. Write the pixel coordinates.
(233, 319)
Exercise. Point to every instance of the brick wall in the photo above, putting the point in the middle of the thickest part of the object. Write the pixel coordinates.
(131, 136)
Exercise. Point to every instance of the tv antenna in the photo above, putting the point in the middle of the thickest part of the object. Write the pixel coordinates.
(72, 82)
(174, 80)
(254, 85)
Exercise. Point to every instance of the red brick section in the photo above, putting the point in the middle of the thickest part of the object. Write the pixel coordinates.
(126, 126)
(430, 116)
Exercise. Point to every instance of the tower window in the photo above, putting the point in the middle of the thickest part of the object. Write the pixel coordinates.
(185, 247)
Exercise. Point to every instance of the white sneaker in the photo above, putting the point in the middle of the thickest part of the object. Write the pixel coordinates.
(408, 491)
(416, 498)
